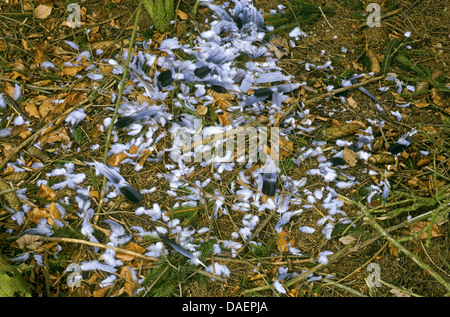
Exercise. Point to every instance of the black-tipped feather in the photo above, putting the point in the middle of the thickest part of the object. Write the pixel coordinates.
(181, 250)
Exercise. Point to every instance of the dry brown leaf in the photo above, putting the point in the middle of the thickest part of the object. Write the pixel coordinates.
(9, 89)
(29, 242)
(32, 110)
(45, 108)
(132, 246)
(418, 226)
(375, 64)
(145, 154)
(420, 104)
(352, 103)
(393, 250)
(183, 16)
(43, 11)
(95, 194)
(71, 71)
(350, 157)
(223, 119)
(286, 147)
(101, 292)
(114, 160)
(284, 241)
(202, 110)
(57, 135)
(337, 132)
(45, 192)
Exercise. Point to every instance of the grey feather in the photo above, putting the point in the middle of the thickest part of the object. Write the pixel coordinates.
(181, 250)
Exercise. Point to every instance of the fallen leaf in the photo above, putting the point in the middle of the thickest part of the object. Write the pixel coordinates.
(114, 160)
(338, 132)
(286, 147)
(420, 104)
(437, 97)
(145, 154)
(130, 287)
(418, 226)
(350, 157)
(223, 119)
(352, 103)
(132, 246)
(101, 292)
(183, 16)
(32, 110)
(375, 64)
(398, 293)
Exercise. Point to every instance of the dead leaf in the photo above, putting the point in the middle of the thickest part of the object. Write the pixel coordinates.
(398, 293)
(350, 157)
(101, 292)
(183, 16)
(437, 97)
(132, 246)
(223, 119)
(29, 242)
(348, 239)
(202, 110)
(420, 104)
(418, 226)
(45, 192)
(286, 147)
(352, 103)
(338, 132)
(145, 154)
(284, 241)
(45, 108)
(393, 250)
(43, 11)
(114, 160)
(381, 158)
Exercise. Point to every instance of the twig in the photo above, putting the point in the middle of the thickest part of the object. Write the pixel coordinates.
(94, 244)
